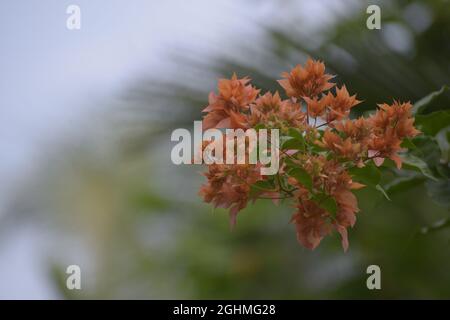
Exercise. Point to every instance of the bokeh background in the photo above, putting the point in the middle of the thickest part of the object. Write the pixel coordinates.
(85, 170)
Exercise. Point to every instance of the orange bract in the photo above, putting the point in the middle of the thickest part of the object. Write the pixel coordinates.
(339, 105)
(224, 110)
(391, 124)
(308, 81)
(229, 186)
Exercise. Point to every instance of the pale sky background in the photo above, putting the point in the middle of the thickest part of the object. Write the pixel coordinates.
(50, 76)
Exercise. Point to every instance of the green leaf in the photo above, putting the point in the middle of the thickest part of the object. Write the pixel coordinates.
(315, 148)
(439, 225)
(302, 176)
(432, 123)
(368, 175)
(383, 192)
(435, 101)
(439, 191)
(401, 184)
(443, 170)
(283, 139)
(408, 144)
(330, 205)
(295, 140)
(415, 163)
(295, 134)
(293, 144)
(290, 163)
(262, 186)
(326, 202)
(265, 185)
(388, 163)
(443, 141)
(427, 149)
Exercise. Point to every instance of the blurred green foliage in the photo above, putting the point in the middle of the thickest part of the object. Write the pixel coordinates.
(145, 234)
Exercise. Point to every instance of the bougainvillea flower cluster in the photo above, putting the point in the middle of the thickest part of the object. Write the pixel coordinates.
(323, 154)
